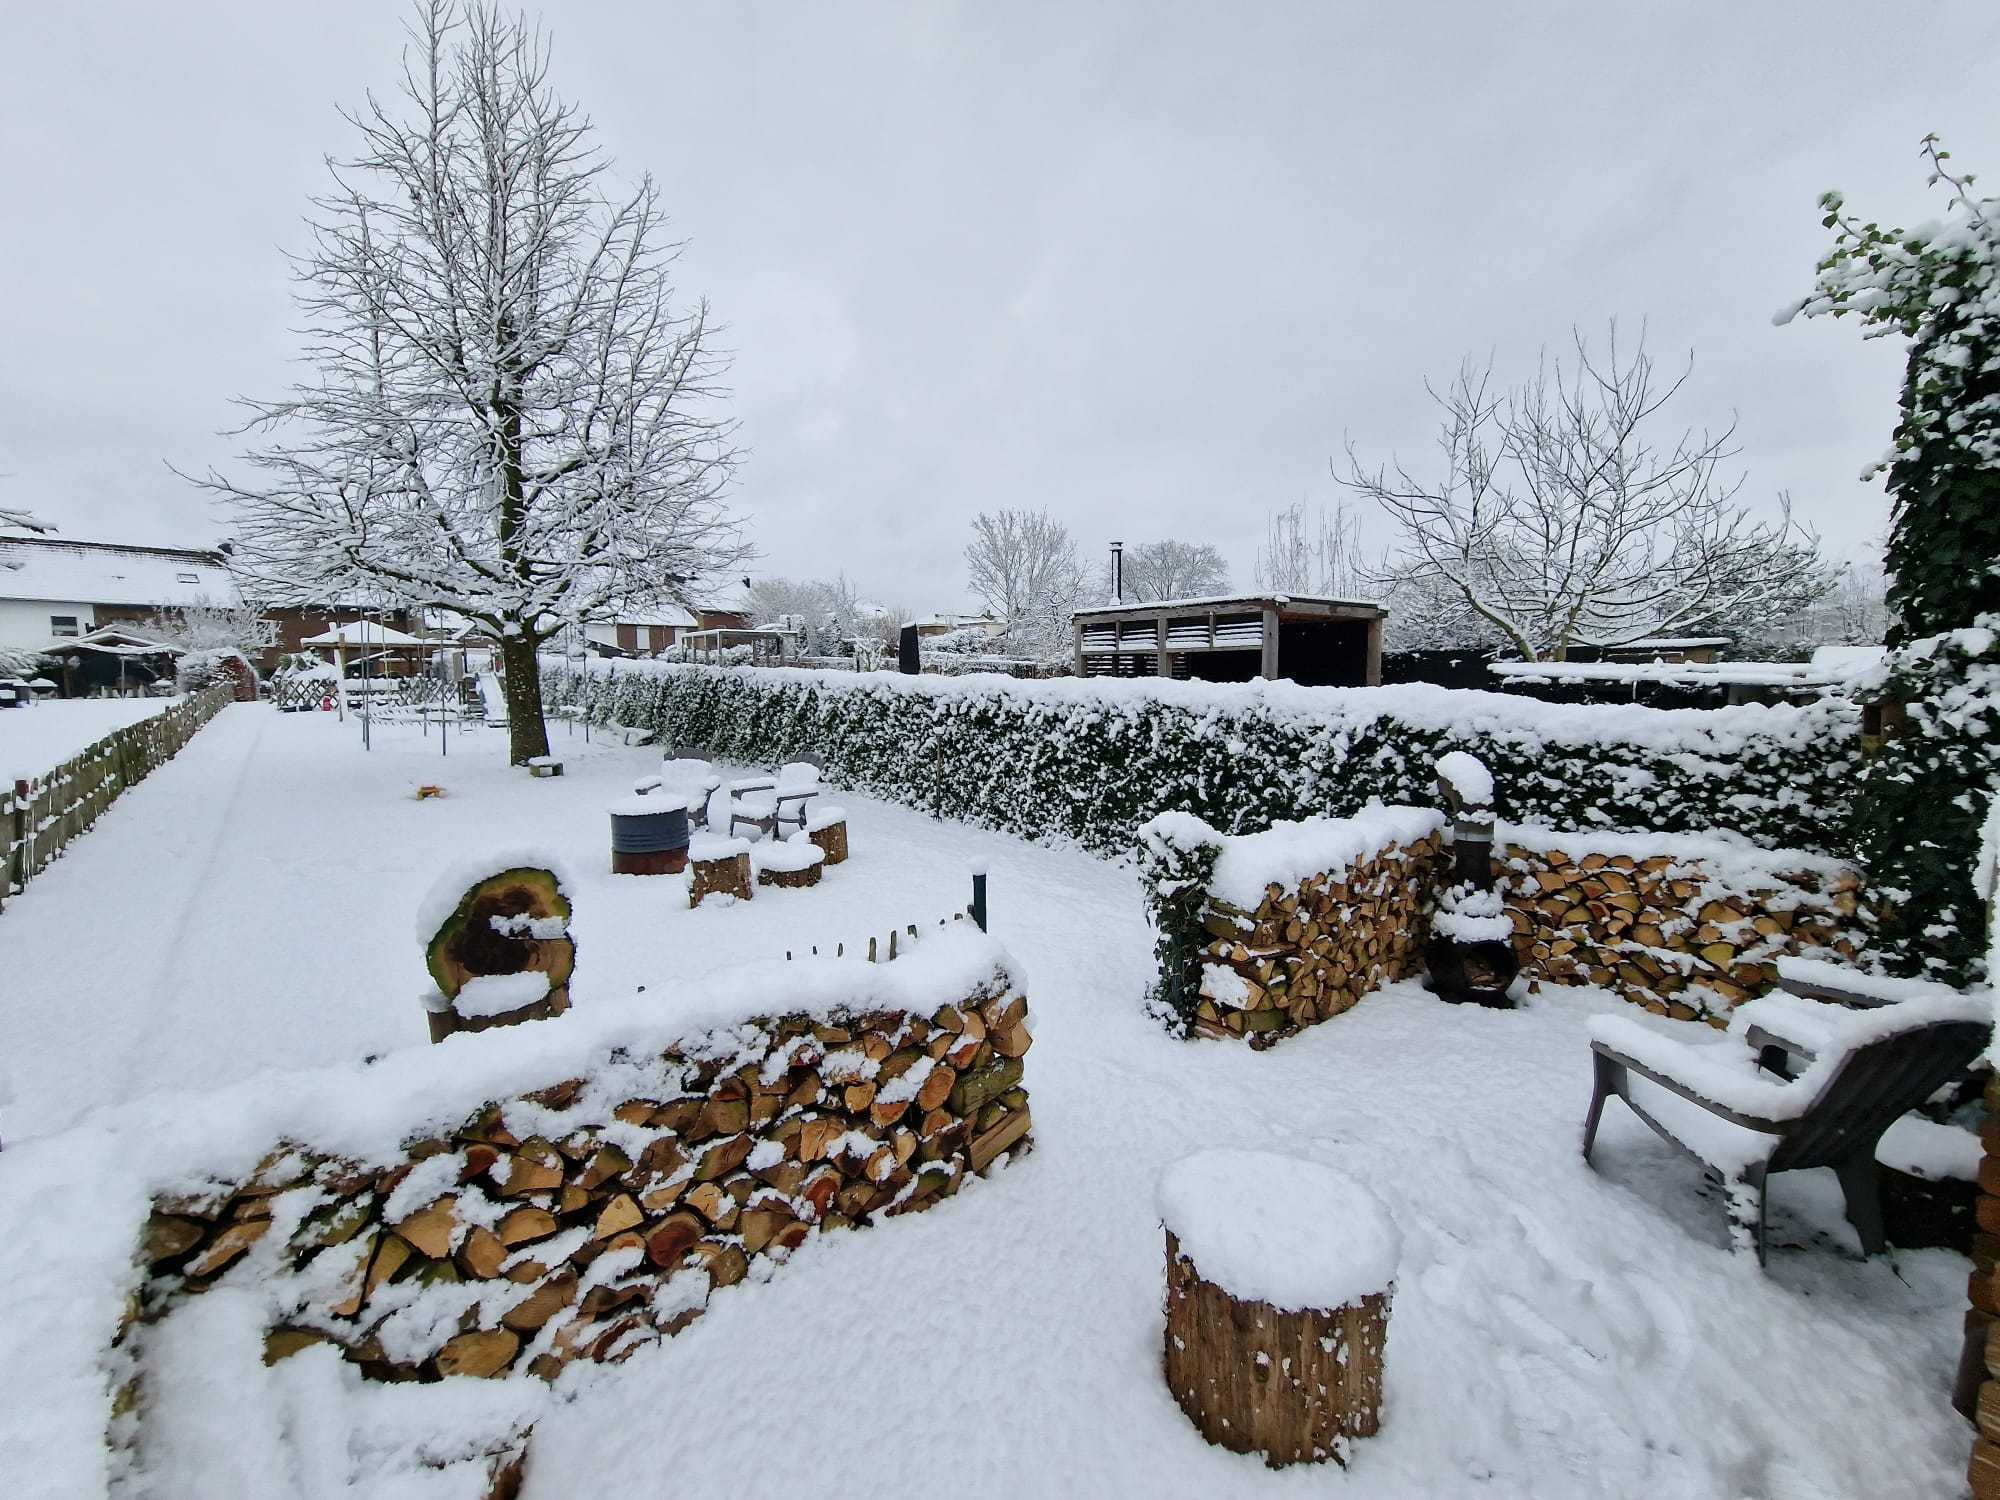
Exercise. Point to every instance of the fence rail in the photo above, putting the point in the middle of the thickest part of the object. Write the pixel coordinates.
(39, 816)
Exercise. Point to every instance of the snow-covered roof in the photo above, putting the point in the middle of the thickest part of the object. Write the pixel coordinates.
(43, 568)
(1672, 643)
(364, 633)
(1846, 661)
(1776, 674)
(952, 621)
(652, 614)
(1228, 601)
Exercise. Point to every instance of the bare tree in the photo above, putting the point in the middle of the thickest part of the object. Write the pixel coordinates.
(1560, 520)
(1154, 571)
(1025, 568)
(1314, 553)
(504, 414)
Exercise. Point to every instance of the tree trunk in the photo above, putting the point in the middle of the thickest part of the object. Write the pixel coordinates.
(527, 733)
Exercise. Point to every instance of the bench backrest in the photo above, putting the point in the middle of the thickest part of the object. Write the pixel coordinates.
(1876, 1085)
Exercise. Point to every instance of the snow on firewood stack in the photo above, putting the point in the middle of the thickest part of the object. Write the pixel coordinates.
(497, 944)
(1279, 1274)
(1263, 934)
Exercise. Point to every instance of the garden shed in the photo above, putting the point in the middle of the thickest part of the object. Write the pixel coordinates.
(1232, 638)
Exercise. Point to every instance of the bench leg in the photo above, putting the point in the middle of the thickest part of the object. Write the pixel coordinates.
(1861, 1185)
(1747, 1203)
(1604, 1083)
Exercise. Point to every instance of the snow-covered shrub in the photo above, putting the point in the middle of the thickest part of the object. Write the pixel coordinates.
(195, 670)
(1093, 758)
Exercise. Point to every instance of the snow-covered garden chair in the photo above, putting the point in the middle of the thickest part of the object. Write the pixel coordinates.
(1863, 1070)
(765, 802)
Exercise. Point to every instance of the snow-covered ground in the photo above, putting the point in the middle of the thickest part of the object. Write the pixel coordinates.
(37, 739)
(1555, 1331)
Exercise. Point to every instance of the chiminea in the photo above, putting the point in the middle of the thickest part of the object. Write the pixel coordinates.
(1470, 953)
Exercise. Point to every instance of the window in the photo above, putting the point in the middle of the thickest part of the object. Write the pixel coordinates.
(63, 625)
(187, 578)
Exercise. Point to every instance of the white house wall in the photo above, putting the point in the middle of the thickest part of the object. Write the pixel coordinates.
(25, 622)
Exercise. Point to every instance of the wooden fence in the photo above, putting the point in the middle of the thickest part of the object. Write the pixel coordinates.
(39, 817)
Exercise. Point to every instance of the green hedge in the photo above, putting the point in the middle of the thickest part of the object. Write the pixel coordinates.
(1092, 759)
(1929, 789)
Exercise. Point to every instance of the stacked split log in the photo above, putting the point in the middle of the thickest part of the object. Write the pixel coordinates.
(1978, 1394)
(1311, 952)
(556, 1227)
(1662, 933)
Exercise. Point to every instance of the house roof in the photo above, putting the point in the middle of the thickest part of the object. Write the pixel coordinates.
(69, 572)
(365, 633)
(651, 614)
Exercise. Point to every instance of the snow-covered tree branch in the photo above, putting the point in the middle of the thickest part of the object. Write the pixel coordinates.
(1560, 519)
(504, 412)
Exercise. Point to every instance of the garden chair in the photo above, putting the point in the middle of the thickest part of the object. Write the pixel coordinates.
(763, 802)
(1864, 1069)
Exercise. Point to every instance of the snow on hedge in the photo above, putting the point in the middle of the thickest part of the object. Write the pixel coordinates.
(75, 1201)
(1093, 758)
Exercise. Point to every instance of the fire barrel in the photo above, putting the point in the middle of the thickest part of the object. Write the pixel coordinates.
(649, 835)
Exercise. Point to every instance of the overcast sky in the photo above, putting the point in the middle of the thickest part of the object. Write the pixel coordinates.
(1145, 265)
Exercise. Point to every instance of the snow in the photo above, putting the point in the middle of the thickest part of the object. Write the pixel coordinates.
(825, 817)
(1468, 776)
(464, 871)
(1924, 1148)
(1724, 1070)
(706, 846)
(1557, 1333)
(646, 805)
(500, 994)
(1270, 1228)
(788, 856)
(1287, 853)
(1883, 987)
(36, 739)
(97, 573)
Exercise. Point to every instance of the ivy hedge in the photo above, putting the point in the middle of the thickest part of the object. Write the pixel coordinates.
(1931, 784)
(1092, 759)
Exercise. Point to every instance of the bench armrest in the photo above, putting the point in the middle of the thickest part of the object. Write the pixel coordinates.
(1675, 1086)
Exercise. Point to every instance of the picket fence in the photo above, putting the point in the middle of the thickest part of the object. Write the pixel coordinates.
(39, 816)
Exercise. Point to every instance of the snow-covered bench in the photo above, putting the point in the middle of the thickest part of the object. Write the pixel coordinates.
(1865, 1069)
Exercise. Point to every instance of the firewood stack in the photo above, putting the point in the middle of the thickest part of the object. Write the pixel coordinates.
(1978, 1392)
(1654, 931)
(1314, 951)
(551, 1228)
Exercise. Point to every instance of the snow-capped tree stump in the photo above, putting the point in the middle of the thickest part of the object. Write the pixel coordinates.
(721, 868)
(501, 955)
(828, 829)
(793, 863)
(1279, 1275)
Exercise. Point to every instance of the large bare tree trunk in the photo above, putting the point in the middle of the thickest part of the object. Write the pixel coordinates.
(527, 733)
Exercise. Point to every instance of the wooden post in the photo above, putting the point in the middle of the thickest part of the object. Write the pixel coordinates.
(978, 907)
(1270, 664)
(1372, 672)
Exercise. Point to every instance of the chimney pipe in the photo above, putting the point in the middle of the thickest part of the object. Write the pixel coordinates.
(1117, 572)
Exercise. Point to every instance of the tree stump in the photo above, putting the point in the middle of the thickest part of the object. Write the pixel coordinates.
(828, 829)
(795, 863)
(505, 930)
(721, 868)
(1279, 1274)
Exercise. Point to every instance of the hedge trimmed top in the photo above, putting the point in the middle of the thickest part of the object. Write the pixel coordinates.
(1093, 758)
